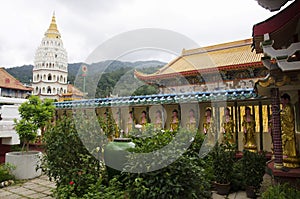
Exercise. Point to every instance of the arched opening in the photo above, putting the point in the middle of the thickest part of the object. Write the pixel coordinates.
(44, 90)
(57, 90)
(53, 90)
(44, 77)
(61, 78)
(49, 77)
(36, 89)
(49, 89)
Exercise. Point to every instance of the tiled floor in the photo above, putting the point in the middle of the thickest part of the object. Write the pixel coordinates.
(37, 188)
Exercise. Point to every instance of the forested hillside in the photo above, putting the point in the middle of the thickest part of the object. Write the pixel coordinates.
(114, 77)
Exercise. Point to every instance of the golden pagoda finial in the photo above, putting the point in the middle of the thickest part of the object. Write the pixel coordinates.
(52, 31)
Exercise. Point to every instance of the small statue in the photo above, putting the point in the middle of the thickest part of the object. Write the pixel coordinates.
(117, 125)
(144, 120)
(249, 131)
(191, 124)
(208, 127)
(158, 125)
(290, 159)
(175, 121)
(228, 128)
(130, 123)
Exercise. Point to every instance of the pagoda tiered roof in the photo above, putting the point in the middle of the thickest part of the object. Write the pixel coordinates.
(235, 55)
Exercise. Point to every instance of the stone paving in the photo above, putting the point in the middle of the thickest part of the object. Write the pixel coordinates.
(36, 188)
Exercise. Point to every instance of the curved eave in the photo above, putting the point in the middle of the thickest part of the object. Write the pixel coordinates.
(274, 24)
(277, 21)
(152, 77)
(14, 88)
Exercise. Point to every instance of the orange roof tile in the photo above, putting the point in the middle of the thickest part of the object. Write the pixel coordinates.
(72, 90)
(230, 55)
(8, 81)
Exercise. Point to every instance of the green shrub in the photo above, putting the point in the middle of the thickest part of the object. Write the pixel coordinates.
(5, 172)
(100, 190)
(281, 191)
(68, 161)
(222, 163)
(186, 177)
(78, 174)
(253, 168)
(237, 181)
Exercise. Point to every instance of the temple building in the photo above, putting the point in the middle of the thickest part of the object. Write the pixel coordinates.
(224, 66)
(50, 69)
(214, 77)
(72, 94)
(11, 87)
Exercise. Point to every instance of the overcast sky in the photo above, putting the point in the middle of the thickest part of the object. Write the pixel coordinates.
(85, 24)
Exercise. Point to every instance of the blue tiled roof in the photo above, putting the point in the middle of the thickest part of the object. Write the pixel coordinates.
(220, 95)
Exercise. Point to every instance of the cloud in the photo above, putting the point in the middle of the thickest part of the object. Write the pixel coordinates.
(84, 25)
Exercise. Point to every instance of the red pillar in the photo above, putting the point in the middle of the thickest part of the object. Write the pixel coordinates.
(276, 128)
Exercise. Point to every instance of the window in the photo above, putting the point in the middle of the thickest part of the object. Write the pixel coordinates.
(49, 89)
(49, 77)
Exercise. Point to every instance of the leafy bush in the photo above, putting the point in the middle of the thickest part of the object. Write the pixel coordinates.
(186, 177)
(222, 163)
(35, 114)
(5, 172)
(281, 191)
(100, 190)
(237, 181)
(253, 168)
(68, 161)
(71, 162)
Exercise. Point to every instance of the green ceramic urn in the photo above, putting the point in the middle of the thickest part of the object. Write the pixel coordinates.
(115, 155)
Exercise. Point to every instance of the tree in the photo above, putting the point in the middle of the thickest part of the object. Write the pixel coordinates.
(35, 114)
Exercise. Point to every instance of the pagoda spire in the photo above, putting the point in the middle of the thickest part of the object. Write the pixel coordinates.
(52, 31)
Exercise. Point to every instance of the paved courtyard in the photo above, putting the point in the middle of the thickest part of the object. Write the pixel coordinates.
(36, 188)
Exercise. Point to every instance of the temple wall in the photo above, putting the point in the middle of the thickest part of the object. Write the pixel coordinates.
(120, 114)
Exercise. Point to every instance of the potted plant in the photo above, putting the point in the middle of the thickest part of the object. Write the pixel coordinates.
(253, 170)
(222, 164)
(34, 115)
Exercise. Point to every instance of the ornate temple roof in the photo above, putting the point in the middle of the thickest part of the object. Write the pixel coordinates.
(281, 27)
(8, 81)
(226, 56)
(193, 97)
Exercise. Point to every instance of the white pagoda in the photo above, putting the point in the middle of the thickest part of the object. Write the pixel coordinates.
(50, 69)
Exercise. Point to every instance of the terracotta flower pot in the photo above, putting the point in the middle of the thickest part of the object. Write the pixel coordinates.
(250, 192)
(222, 189)
(115, 155)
